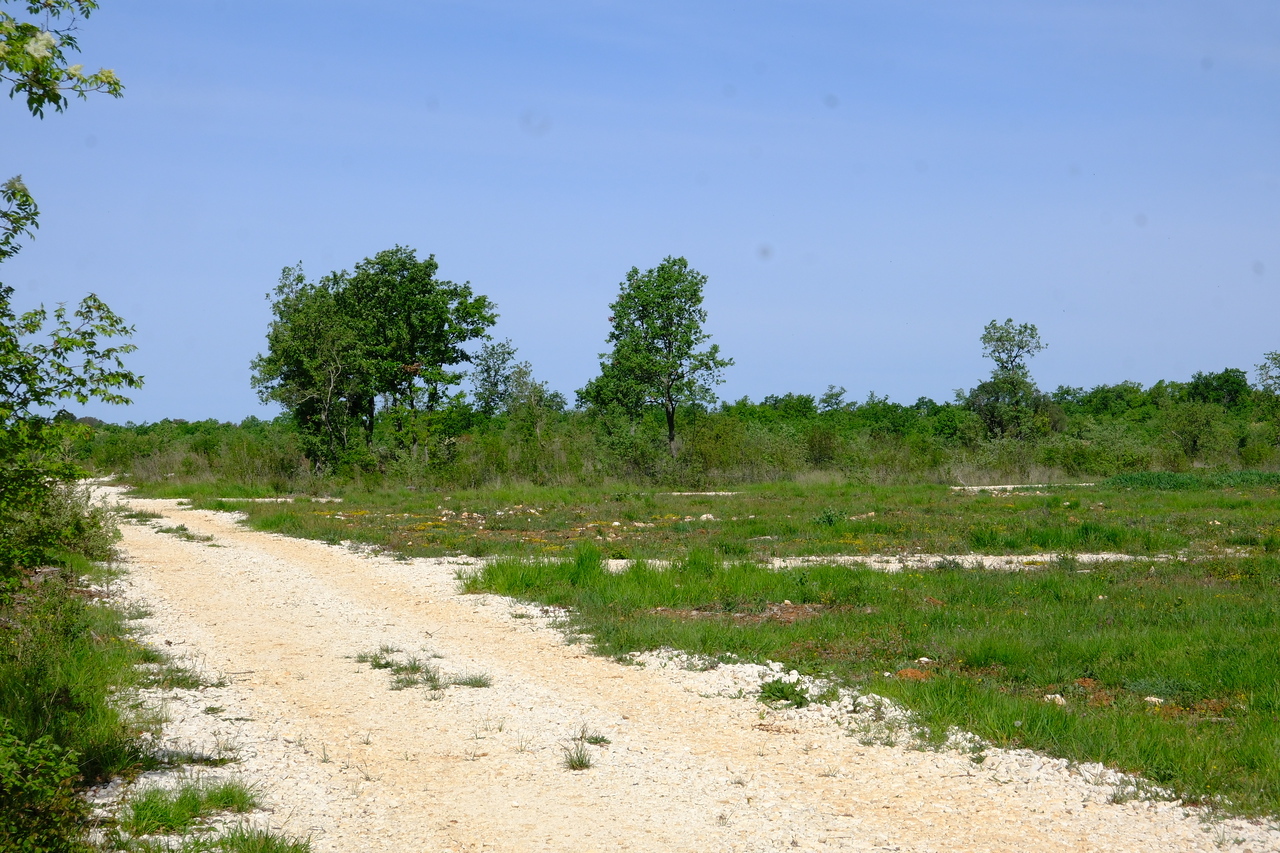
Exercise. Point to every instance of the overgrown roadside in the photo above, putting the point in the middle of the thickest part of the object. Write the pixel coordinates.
(687, 765)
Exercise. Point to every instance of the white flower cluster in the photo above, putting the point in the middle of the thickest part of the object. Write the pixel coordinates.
(42, 45)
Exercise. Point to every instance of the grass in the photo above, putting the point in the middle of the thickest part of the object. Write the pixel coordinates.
(760, 521)
(164, 811)
(1203, 635)
(1192, 620)
(407, 673)
(577, 756)
(472, 679)
(182, 532)
(177, 819)
(64, 661)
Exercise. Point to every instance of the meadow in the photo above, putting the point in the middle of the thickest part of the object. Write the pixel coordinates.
(1165, 663)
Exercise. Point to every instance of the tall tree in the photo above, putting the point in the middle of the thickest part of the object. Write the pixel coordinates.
(1009, 404)
(657, 330)
(390, 332)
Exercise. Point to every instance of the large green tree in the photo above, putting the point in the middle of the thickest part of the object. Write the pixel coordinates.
(657, 333)
(384, 340)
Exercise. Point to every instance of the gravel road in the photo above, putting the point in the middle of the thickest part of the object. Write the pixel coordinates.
(692, 762)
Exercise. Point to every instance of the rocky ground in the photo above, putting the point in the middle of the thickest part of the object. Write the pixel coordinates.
(682, 757)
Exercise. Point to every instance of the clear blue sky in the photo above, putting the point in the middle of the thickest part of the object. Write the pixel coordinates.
(865, 183)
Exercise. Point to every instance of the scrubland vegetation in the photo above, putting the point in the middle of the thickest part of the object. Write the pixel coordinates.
(1164, 664)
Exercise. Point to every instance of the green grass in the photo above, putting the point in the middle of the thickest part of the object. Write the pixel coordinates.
(472, 679)
(182, 532)
(1175, 481)
(407, 672)
(1202, 635)
(790, 519)
(64, 658)
(164, 811)
(577, 756)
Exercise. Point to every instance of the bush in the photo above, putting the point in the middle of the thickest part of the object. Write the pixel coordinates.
(65, 520)
(39, 809)
(62, 661)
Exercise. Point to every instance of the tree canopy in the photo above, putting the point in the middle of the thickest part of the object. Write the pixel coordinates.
(1010, 346)
(657, 323)
(390, 331)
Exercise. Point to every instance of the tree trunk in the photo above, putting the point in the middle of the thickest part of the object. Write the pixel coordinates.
(671, 428)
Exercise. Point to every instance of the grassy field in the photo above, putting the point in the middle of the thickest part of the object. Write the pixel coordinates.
(1168, 664)
(818, 517)
(1200, 636)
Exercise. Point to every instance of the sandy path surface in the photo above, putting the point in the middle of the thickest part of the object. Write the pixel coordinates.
(357, 766)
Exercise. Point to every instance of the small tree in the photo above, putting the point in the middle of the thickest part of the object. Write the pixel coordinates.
(657, 324)
(40, 368)
(492, 369)
(1010, 346)
(1009, 404)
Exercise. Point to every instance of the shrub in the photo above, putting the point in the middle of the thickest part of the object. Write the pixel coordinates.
(39, 809)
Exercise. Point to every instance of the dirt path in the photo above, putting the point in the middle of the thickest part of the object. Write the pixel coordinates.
(359, 767)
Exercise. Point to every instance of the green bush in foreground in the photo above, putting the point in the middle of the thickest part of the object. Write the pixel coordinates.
(40, 811)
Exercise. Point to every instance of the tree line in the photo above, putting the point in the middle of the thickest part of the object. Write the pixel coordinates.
(369, 368)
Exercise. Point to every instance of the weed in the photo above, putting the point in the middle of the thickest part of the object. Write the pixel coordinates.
(182, 532)
(828, 517)
(245, 839)
(779, 690)
(576, 756)
(593, 737)
(472, 679)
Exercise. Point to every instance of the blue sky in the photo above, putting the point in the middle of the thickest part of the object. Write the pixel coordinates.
(866, 184)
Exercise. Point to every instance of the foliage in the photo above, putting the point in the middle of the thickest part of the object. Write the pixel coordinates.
(491, 376)
(71, 362)
(40, 810)
(1010, 346)
(390, 331)
(1229, 389)
(1269, 372)
(33, 55)
(20, 216)
(63, 664)
(657, 324)
(1009, 404)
